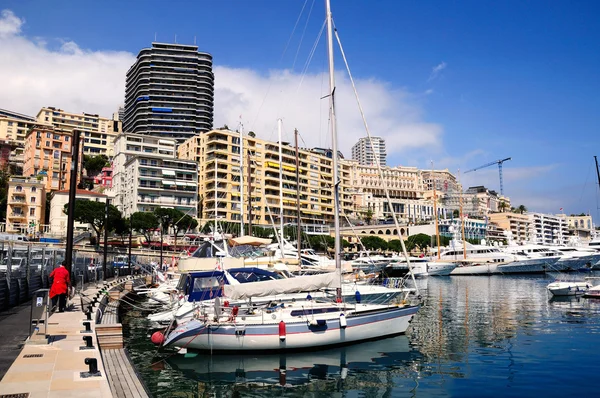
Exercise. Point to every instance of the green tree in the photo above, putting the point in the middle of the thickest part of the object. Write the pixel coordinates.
(368, 216)
(456, 214)
(374, 243)
(418, 241)
(121, 228)
(522, 209)
(144, 222)
(184, 223)
(251, 134)
(94, 164)
(93, 213)
(395, 245)
(502, 206)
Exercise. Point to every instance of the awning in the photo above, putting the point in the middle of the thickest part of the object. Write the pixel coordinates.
(168, 182)
(181, 183)
(191, 184)
(168, 172)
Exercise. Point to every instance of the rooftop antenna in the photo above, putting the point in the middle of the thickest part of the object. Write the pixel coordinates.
(154, 36)
(175, 39)
(194, 40)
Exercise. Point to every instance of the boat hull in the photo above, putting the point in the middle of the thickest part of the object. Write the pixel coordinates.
(567, 288)
(300, 334)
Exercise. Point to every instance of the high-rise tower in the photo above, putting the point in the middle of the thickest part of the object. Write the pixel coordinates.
(367, 155)
(169, 92)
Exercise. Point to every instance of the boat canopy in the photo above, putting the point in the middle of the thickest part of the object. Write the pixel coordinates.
(249, 240)
(282, 286)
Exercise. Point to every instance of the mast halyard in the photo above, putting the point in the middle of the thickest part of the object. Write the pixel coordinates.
(336, 182)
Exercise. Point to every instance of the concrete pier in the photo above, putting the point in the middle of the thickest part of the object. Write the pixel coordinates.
(58, 364)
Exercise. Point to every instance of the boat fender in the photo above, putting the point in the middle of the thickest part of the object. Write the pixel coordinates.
(308, 297)
(157, 338)
(226, 303)
(234, 312)
(357, 297)
(343, 322)
(282, 332)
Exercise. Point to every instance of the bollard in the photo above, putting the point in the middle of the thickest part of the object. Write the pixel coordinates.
(88, 315)
(93, 368)
(88, 343)
(88, 329)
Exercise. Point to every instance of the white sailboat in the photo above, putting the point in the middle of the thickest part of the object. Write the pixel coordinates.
(300, 324)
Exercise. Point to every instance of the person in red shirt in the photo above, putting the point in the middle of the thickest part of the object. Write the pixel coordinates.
(60, 287)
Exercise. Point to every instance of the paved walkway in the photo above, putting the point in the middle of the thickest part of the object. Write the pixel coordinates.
(54, 369)
(14, 330)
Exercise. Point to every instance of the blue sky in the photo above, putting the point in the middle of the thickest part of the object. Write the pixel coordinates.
(460, 83)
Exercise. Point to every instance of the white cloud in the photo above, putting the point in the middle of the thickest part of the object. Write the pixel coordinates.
(81, 80)
(69, 77)
(261, 99)
(10, 24)
(436, 70)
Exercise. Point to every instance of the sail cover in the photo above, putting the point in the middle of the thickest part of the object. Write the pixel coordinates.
(282, 286)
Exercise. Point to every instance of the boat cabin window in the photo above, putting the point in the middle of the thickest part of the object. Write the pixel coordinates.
(206, 283)
(245, 277)
(207, 250)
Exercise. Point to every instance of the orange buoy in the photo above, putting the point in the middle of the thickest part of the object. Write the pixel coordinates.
(157, 338)
(282, 332)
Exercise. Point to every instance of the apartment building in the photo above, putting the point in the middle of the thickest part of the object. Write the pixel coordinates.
(222, 177)
(368, 155)
(147, 175)
(405, 186)
(48, 152)
(98, 133)
(13, 129)
(26, 204)
(519, 225)
(169, 92)
(548, 229)
(58, 219)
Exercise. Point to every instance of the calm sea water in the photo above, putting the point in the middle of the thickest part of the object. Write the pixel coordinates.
(499, 336)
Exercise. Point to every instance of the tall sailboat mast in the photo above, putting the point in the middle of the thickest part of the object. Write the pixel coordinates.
(437, 231)
(242, 180)
(299, 230)
(336, 181)
(216, 214)
(279, 123)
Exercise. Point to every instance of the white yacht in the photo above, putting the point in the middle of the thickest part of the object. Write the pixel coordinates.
(421, 267)
(550, 255)
(488, 260)
(368, 262)
(565, 288)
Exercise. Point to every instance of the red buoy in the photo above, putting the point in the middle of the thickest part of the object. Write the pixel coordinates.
(282, 332)
(226, 303)
(234, 311)
(157, 338)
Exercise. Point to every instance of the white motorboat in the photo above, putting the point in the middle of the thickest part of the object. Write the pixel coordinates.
(369, 262)
(421, 267)
(565, 288)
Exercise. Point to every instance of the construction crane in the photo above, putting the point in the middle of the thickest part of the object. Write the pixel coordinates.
(499, 163)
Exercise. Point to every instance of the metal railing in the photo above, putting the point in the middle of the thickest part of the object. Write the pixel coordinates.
(25, 267)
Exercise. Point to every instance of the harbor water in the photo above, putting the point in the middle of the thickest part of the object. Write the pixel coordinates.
(498, 336)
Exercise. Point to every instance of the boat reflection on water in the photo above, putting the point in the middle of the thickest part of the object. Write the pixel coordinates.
(299, 368)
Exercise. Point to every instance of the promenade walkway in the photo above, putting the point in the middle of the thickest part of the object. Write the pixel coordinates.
(56, 366)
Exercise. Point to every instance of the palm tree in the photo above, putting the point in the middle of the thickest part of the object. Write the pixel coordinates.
(521, 209)
(502, 206)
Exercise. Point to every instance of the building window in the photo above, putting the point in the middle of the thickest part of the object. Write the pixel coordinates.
(47, 143)
(48, 135)
(19, 188)
(32, 199)
(66, 139)
(32, 212)
(33, 189)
